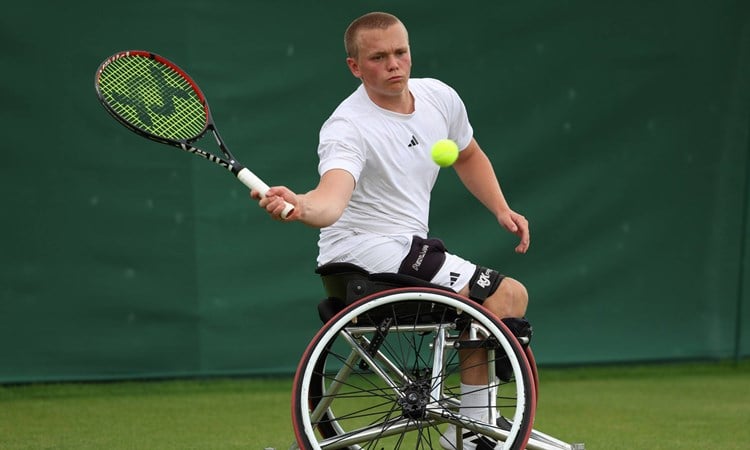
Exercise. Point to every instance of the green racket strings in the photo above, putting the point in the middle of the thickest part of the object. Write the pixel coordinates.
(153, 97)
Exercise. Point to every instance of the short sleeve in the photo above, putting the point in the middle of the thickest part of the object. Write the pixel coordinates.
(459, 127)
(339, 149)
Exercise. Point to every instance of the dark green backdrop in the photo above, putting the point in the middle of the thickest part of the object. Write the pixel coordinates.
(620, 129)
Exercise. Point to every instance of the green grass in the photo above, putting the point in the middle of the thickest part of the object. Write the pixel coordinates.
(216, 414)
(686, 406)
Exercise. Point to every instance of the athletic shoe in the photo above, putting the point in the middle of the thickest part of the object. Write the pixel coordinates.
(471, 440)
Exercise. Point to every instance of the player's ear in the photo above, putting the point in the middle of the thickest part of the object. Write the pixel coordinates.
(353, 67)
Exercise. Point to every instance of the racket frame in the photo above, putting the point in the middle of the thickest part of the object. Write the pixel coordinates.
(229, 162)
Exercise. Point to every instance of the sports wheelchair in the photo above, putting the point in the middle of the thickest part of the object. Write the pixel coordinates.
(383, 372)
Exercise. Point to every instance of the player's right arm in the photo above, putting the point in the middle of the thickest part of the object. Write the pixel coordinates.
(475, 171)
(318, 208)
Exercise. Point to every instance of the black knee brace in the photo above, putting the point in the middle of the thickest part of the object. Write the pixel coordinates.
(484, 283)
(522, 330)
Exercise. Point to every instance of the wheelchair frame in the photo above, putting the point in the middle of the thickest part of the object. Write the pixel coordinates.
(383, 371)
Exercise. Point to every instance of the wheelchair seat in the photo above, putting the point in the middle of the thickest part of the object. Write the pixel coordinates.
(346, 283)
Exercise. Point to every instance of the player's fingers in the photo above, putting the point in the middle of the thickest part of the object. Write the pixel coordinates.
(524, 233)
(276, 201)
(279, 191)
(508, 223)
(523, 245)
(265, 203)
(276, 206)
(515, 222)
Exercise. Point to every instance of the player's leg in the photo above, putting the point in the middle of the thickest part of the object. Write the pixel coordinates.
(504, 297)
(509, 299)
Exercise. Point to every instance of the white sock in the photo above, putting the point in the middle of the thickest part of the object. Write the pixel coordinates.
(474, 401)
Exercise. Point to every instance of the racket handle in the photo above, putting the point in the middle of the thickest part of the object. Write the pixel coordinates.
(252, 181)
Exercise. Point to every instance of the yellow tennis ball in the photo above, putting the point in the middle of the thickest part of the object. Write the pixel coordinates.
(444, 152)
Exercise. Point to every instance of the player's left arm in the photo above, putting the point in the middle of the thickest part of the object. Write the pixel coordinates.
(477, 174)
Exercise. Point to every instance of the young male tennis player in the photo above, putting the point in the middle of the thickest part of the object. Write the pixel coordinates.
(376, 174)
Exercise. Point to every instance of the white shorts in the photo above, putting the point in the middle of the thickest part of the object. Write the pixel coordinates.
(378, 253)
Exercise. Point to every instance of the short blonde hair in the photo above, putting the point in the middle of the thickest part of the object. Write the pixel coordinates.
(367, 22)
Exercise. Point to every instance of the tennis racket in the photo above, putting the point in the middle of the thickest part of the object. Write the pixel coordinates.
(154, 98)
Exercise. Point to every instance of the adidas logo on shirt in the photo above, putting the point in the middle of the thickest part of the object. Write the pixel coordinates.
(413, 142)
(454, 277)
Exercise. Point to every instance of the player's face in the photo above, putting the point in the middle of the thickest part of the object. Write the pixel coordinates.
(384, 62)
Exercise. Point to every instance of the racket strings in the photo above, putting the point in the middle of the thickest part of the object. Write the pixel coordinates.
(153, 97)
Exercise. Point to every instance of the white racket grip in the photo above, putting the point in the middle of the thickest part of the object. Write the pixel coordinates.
(249, 179)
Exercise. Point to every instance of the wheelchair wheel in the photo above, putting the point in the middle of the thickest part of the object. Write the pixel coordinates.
(534, 373)
(384, 373)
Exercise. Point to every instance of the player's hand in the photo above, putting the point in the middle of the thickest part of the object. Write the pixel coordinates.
(274, 202)
(518, 225)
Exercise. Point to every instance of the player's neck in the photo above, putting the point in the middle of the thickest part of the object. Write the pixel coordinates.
(403, 103)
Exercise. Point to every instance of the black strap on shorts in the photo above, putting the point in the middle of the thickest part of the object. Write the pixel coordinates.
(484, 283)
(424, 259)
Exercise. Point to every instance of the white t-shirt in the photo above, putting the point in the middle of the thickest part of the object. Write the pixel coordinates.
(388, 154)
